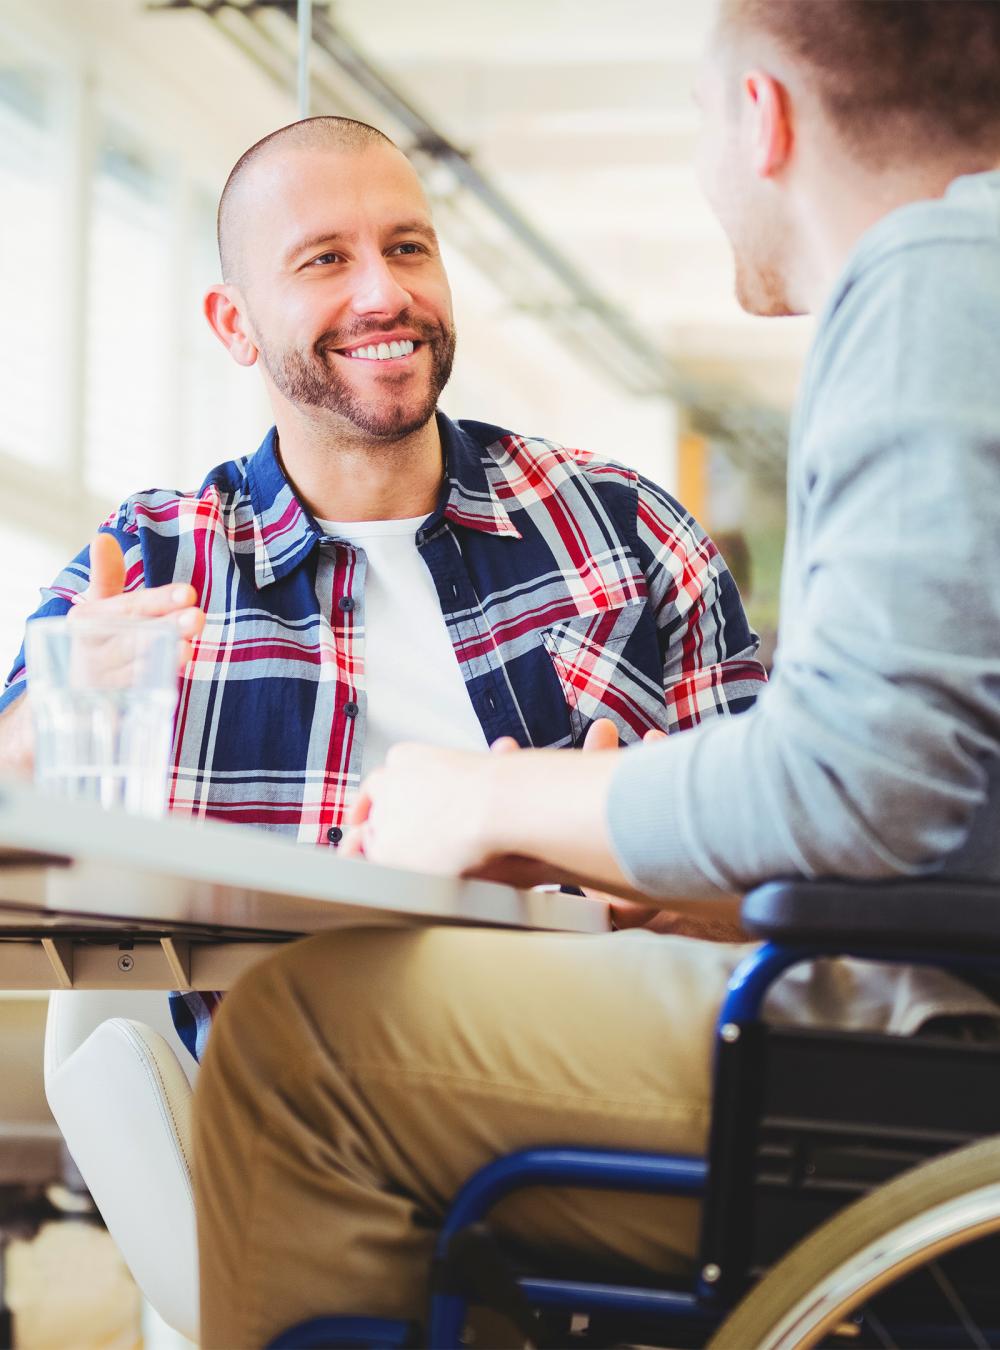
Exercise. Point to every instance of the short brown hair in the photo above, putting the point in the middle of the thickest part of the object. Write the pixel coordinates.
(897, 78)
(335, 133)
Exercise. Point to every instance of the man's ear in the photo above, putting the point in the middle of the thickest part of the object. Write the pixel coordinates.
(770, 122)
(225, 312)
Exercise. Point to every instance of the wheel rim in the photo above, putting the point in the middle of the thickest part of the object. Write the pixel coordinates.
(914, 1243)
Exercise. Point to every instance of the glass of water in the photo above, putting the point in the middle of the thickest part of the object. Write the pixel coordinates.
(103, 693)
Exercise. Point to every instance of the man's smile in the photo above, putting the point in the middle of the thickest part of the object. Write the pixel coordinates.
(382, 349)
(385, 378)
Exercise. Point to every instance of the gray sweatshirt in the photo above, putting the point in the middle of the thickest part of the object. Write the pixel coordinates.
(874, 750)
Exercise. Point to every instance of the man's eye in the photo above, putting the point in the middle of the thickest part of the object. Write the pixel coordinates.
(325, 258)
(408, 249)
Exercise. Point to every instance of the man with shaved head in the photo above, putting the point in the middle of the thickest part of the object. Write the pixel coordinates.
(375, 572)
(312, 133)
(851, 150)
(269, 190)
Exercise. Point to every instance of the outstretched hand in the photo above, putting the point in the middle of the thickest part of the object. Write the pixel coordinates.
(523, 872)
(418, 793)
(418, 788)
(106, 597)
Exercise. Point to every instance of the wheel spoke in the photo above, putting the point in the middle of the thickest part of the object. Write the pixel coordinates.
(879, 1329)
(957, 1306)
(939, 1207)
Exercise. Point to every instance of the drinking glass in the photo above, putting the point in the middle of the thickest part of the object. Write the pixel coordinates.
(103, 693)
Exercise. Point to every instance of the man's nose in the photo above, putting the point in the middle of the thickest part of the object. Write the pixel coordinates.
(376, 290)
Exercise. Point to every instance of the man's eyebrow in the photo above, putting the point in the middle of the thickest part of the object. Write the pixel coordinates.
(333, 237)
(315, 240)
(415, 226)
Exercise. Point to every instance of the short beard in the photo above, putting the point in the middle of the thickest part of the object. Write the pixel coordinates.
(312, 381)
(761, 289)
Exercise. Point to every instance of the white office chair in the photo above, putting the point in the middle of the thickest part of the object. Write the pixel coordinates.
(119, 1082)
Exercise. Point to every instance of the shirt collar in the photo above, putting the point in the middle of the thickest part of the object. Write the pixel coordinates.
(285, 533)
(468, 496)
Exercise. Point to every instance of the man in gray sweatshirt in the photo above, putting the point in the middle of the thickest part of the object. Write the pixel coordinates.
(850, 151)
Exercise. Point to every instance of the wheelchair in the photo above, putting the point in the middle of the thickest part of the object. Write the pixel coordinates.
(851, 1193)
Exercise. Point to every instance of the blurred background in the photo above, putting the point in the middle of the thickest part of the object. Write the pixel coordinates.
(593, 289)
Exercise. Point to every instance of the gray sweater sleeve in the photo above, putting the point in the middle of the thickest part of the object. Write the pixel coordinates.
(873, 752)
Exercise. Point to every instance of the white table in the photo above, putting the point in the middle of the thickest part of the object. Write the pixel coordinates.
(94, 899)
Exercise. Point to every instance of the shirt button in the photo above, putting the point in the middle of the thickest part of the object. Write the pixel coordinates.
(335, 834)
(351, 709)
(346, 603)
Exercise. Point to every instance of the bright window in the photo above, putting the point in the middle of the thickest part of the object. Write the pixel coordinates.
(29, 268)
(224, 413)
(129, 370)
(27, 562)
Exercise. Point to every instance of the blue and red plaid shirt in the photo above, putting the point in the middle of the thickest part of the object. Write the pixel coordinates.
(572, 589)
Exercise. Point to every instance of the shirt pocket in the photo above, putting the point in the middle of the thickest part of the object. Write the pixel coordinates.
(599, 678)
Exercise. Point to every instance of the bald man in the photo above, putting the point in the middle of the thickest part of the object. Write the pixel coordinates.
(374, 572)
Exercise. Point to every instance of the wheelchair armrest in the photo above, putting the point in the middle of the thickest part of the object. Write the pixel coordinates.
(930, 913)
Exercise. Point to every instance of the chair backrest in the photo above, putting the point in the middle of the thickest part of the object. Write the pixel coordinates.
(122, 1100)
(75, 1013)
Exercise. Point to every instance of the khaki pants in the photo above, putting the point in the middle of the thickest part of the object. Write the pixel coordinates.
(355, 1080)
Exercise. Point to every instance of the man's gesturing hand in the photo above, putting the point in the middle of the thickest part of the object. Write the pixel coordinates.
(106, 597)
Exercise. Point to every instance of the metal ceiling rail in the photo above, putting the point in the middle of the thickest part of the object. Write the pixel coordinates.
(304, 24)
(538, 279)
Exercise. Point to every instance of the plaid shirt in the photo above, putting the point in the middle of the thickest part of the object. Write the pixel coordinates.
(572, 589)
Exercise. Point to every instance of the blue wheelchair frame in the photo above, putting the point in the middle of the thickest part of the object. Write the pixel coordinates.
(954, 925)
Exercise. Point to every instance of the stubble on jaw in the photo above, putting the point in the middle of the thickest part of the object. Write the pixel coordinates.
(761, 291)
(313, 382)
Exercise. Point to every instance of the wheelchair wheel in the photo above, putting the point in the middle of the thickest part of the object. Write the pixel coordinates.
(906, 1226)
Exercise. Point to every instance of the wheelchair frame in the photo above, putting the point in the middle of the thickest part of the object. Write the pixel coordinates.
(797, 1132)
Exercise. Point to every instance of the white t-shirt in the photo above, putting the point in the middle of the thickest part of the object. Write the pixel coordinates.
(413, 686)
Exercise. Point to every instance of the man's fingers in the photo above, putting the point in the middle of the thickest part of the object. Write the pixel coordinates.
(629, 914)
(601, 735)
(353, 843)
(107, 568)
(185, 653)
(360, 809)
(706, 928)
(406, 753)
(362, 806)
(106, 598)
(17, 737)
(107, 584)
(153, 603)
(190, 622)
(516, 871)
(504, 745)
(156, 603)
